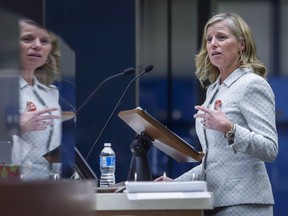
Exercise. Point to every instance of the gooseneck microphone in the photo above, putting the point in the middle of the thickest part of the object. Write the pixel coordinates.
(125, 72)
(146, 70)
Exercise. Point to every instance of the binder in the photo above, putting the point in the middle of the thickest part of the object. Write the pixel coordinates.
(162, 137)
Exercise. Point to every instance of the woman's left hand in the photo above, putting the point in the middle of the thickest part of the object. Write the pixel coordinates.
(214, 118)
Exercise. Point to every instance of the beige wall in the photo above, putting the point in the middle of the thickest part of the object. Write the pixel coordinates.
(152, 37)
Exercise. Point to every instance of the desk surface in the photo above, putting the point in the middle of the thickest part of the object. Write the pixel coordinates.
(119, 201)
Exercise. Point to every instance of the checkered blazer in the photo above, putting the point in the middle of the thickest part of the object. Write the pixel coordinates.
(236, 173)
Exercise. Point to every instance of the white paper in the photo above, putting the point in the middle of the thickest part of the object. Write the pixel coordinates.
(168, 195)
(173, 186)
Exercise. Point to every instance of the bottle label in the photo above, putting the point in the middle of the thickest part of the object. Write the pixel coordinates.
(107, 161)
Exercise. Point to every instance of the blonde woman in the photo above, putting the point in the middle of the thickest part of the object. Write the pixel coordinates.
(40, 125)
(236, 123)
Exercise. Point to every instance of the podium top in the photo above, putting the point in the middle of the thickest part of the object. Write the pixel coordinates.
(163, 138)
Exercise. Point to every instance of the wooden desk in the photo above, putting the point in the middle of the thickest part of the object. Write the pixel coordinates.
(55, 198)
(118, 204)
(77, 198)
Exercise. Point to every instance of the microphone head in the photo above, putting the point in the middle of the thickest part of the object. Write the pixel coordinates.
(148, 68)
(129, 71)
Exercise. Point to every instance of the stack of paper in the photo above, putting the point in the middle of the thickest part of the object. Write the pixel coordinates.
(166, 190)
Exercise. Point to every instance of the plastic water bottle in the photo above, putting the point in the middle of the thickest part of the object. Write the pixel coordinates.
(107, 166)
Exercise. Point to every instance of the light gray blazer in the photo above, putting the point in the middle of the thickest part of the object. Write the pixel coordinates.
(29, 148)
(236, 173)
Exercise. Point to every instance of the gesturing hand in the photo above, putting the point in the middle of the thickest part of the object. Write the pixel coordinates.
(214, 118)
(36, 120)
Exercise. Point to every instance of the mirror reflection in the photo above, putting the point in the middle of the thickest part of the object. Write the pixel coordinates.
(38, 109)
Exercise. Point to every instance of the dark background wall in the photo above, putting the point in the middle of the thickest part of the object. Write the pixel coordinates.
(101, 32)
(102, 35)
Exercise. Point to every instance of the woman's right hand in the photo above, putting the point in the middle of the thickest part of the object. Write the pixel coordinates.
(163, 178)
(36, 120)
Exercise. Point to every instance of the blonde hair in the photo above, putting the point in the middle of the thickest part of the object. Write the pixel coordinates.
(205, 70)
(50, 71)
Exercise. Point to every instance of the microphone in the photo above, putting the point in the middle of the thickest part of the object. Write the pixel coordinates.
(146, 70)
(125, 72)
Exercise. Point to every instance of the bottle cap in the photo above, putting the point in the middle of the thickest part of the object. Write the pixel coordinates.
(107, 144)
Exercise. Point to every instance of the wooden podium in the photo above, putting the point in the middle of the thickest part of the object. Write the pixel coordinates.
(151, 132)
(173, 145)
(163, 138)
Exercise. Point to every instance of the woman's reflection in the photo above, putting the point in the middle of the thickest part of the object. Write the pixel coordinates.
(40, 114)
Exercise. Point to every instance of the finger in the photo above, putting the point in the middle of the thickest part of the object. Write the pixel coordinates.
(203, 109)
(49, 117)
(161, 178)
(44, 124)
(46, 110)
(47, 123)
(200, 115)
(217, 104)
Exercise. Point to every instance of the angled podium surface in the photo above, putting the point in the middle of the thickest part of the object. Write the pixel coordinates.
(162, 137)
